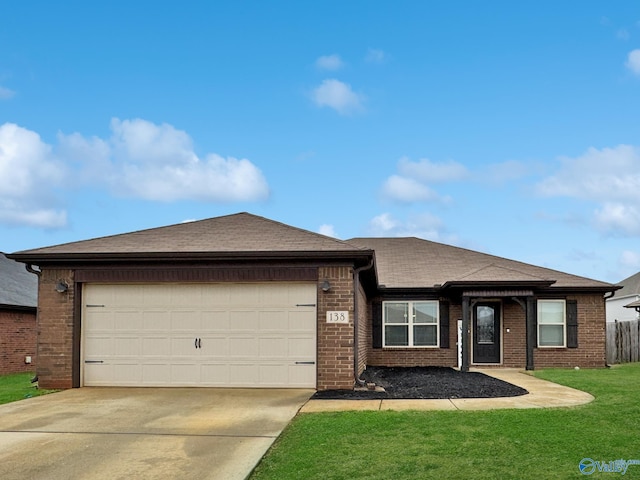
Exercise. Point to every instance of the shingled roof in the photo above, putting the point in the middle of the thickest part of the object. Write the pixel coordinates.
(18, 288)
(630, 286)
(415, 263)
(241, 234)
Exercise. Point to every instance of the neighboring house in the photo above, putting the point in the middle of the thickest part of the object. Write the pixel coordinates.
(244, 301)
(617, 305)
(18, 306)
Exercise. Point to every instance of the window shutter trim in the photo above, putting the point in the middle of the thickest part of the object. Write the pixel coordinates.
(444, 324)
(572, 324)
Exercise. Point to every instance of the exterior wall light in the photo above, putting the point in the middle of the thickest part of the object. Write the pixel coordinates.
(326, 286)
(62, 286)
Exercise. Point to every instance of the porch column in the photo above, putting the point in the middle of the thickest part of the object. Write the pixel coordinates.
(466, 329)
(531, 330)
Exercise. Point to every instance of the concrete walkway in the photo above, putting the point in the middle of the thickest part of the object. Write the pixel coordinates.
(542, 394)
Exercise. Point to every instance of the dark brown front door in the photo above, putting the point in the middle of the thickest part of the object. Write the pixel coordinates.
(486, 332)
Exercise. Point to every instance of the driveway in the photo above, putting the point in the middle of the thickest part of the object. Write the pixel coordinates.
(150, 433)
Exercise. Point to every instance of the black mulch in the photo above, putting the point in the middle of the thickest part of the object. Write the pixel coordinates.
(426, 382)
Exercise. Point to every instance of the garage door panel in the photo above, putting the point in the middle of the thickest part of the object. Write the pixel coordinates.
(185, 374)
(188, 320)
(242, 335)
(156, 321)
(241, 375)
(215, 321)
(215, 374)
(156, 347)
(271, 348)
(300, 347)
(274, 321)
(244, 320)
(129, 373)
(127, 320)
(243, 347)
(156, 374)
(99, 346)
(127, 346)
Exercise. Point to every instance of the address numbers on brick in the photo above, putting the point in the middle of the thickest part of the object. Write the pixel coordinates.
(339, 316)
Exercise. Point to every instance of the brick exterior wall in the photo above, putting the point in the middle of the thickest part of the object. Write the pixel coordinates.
(17, 341)
(55, 330)
(335, 340)
(420, 357)
(364, 331)
(591, 351)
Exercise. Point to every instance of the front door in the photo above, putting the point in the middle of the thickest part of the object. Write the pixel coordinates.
(486, 332)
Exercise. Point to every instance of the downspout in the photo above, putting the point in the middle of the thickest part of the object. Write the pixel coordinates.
(356, 310)
(38, 273)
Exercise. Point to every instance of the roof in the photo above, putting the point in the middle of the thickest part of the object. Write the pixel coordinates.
(237, 235)
(18, 288)
(635, 304)
(416, 263)
(630, 286)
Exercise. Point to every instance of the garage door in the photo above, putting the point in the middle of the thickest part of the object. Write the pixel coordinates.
(222, 335)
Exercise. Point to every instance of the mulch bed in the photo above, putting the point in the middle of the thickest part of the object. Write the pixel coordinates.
(425, 382)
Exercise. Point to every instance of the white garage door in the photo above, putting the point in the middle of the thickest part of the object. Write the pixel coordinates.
(222, 335)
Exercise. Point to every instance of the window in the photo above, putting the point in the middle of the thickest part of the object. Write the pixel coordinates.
(410, 324)
(551, 323)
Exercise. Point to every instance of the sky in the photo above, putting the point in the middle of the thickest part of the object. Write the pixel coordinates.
(512, 128)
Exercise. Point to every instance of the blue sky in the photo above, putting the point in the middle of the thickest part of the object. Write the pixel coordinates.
(507, 127)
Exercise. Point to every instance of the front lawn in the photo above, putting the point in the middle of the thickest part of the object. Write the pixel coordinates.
(498, 444)
(18, 386)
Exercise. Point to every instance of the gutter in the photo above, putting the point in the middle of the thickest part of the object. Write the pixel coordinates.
(356, 310)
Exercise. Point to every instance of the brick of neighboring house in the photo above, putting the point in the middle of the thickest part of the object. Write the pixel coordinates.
(17, 341)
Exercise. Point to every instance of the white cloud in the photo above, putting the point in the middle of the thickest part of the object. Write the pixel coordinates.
(609, 177)
(140, 159)
(6, 93)
(428, 171)
(425, 226)
(329, 62)
(507, 171)
(375, 55)
(629, 259)
(158, 162)
(411, 182)
(408, 190)
(335, 94)
(619, 219)
(29, 176)
(633, 61)
(327, 230)
(623, 34)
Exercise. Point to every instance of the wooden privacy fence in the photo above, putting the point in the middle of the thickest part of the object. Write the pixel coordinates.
(623, 342)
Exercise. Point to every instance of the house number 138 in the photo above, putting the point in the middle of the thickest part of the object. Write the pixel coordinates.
(341, 316)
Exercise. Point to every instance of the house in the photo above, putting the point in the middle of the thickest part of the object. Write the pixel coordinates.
(618, 305)
(18, 307)
(244, 301)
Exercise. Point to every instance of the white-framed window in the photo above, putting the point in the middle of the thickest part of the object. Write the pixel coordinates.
(410, 324)
(552, 319)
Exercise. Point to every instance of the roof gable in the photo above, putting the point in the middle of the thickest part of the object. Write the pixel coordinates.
(17, 286)
(240, 233)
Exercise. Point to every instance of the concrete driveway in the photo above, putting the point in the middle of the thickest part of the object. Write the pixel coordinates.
(150, 433)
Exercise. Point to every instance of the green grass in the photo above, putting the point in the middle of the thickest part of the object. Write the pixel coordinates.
(497, 444)
(18, 386)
